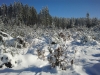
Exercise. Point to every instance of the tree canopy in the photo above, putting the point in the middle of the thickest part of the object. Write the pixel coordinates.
(20, 14)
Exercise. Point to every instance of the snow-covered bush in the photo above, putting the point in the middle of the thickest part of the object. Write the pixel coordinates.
(58, 38)
(55, 38)
(76, 36)
(18, 42)
(86, 39)
(1, 39)
(21, 42)
(5, 36)
(59, 58)
(40, 54)
(63, 36)
(7, 60)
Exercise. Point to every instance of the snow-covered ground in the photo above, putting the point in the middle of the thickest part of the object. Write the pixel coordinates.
(86, 58)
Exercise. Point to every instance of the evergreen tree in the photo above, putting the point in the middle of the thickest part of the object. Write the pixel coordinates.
(94, 22)
(33, 16)
(10, 11)
(0, 11)
(44, 17)
(88, 20)
(4, 9)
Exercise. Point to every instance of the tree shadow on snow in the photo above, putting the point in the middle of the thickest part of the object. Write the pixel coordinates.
(32, 69)
(93, 70)
(96, 55)
(85, 44)
(76, 43)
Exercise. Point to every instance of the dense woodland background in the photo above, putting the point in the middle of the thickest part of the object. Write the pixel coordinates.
(19, 14)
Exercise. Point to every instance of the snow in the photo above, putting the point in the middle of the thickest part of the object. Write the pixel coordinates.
(86, 58)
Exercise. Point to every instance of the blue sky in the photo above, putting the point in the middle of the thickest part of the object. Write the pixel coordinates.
(64, 8)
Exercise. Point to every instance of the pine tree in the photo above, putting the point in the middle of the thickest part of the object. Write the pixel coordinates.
(88, 20)
(33, 16)
(10, 11)
(4, 9)
(44, 17)
(0, 11)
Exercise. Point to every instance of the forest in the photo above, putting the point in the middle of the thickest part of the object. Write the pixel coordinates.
(20, 14)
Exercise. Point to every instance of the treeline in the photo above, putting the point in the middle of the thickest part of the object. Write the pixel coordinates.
(19, 14)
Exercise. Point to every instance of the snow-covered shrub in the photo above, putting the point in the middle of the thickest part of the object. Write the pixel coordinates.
(58, 38)
(76, 36)
(1, 51)
(29, 39)
(18, 42)
(1, 39)
(68, 35)
(40, 54)
(21, 42)
(86, 39)
(58, 57)
(62, 35)
(7, 60)
(5, 36)
(55, 38)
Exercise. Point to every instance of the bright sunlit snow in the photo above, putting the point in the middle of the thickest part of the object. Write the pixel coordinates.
(85, 55)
